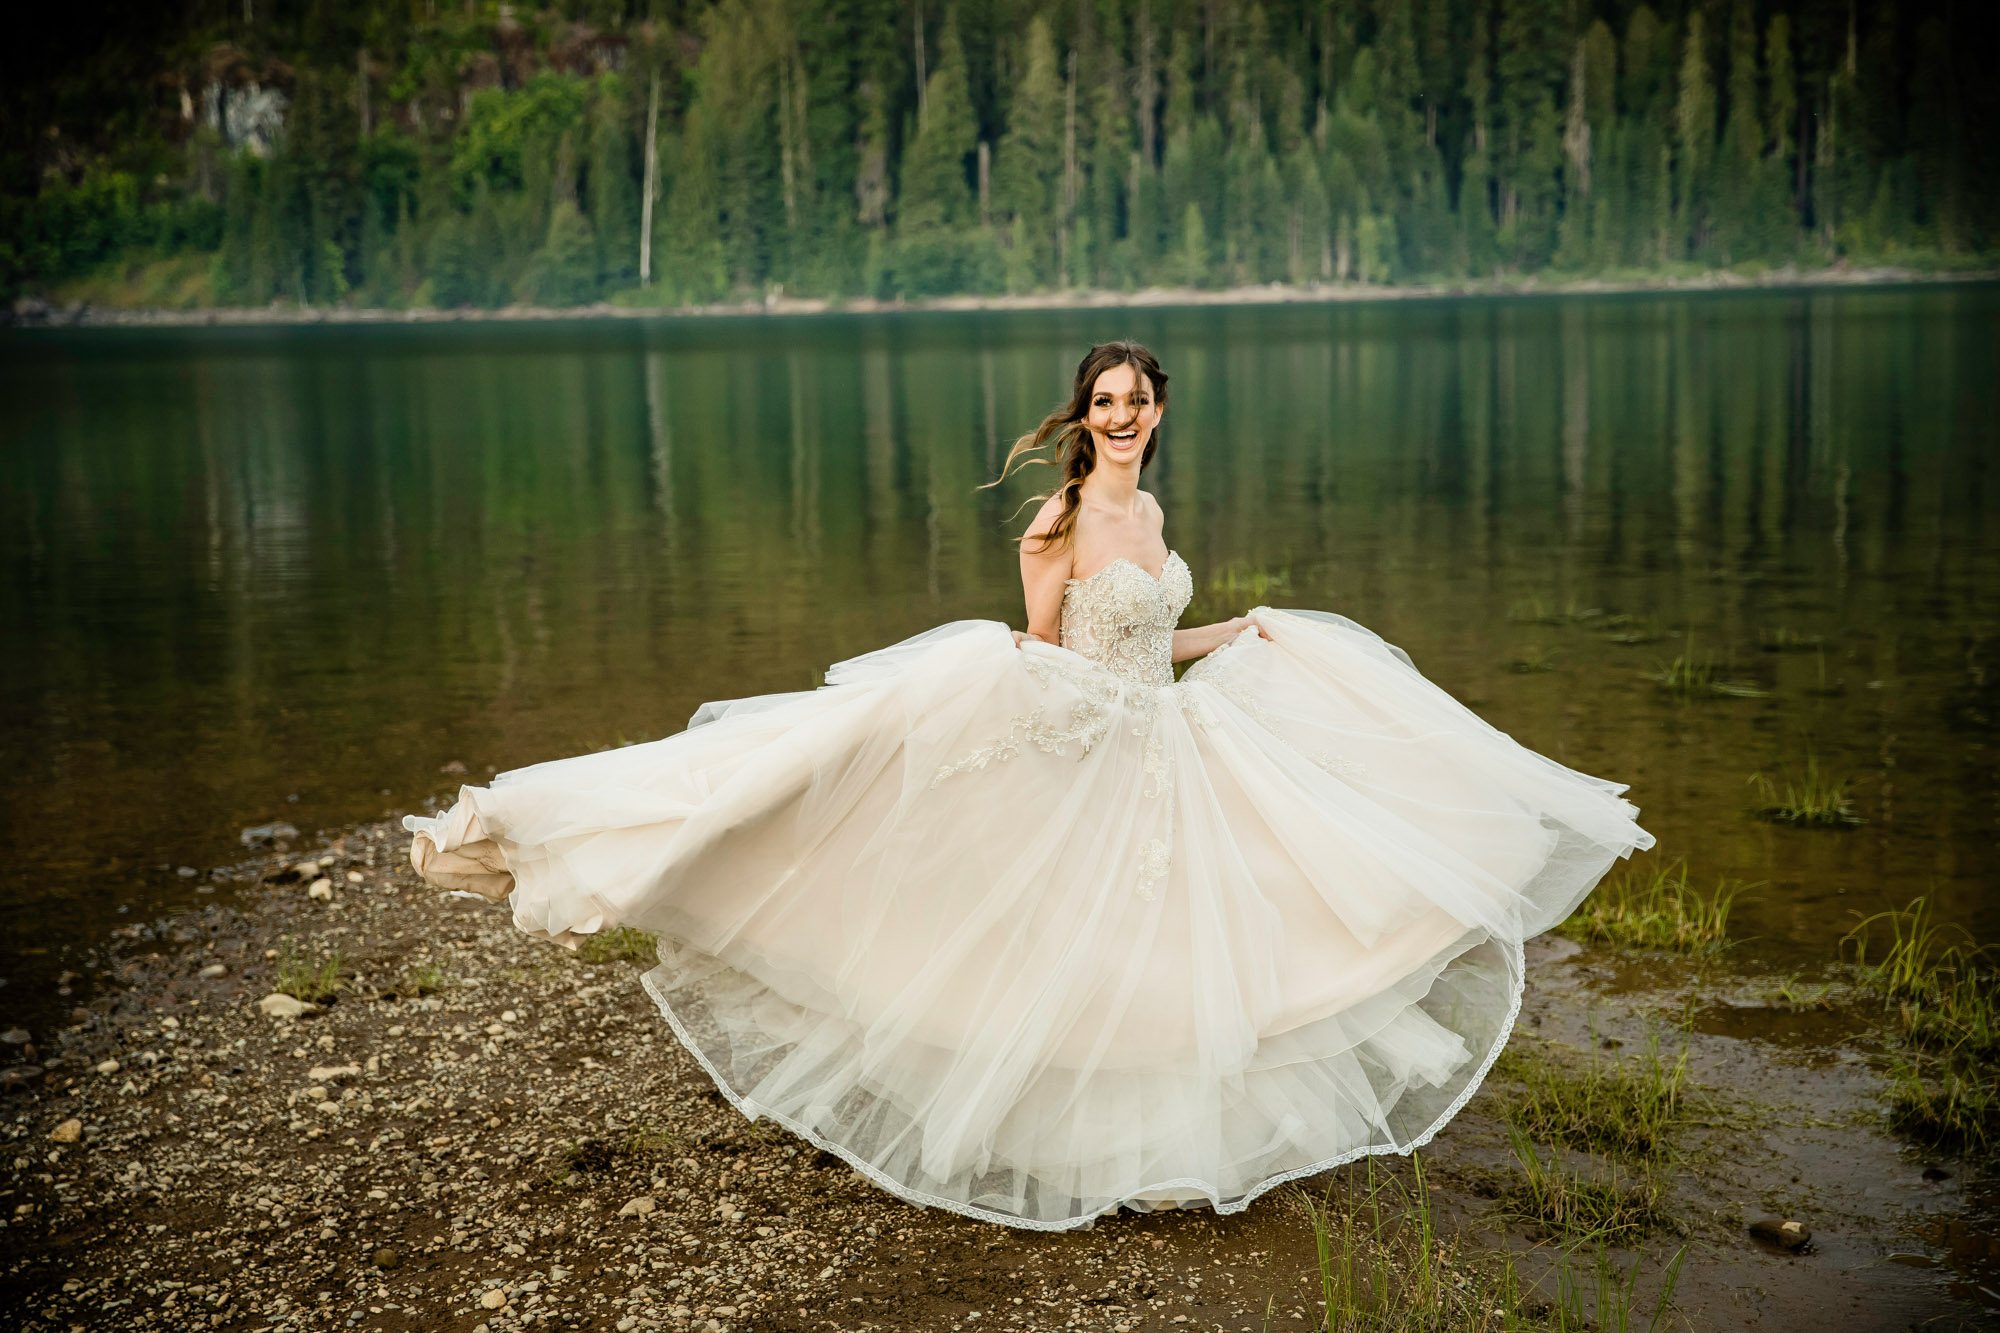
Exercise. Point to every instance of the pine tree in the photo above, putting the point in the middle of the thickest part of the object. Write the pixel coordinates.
(1475, 177)
(1531, 67)
(1694, 140)
(1028, 166)
(613, 201)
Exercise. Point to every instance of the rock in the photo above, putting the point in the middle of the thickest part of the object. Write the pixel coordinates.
(187, 872)
(69, 1131)
(106, 1066)
(212, 971)
(354, 877)
(455, 767)
(20, 1078)
(328, 1108)
(15, 1037)
(265, 835)
(638, 1207)
(280, 1005)
(493, 1299)
(321, 890)
(1782, 1232)
(388, 1257)
(327, 1073)
(724, 1311)
(306, 869)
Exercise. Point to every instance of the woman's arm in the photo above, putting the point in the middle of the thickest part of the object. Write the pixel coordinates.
(1043, 576)
(1204, 639)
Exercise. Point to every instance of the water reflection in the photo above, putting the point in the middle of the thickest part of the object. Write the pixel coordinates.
(250, 567)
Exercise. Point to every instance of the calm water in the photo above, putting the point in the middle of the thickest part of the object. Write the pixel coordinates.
(257, 575)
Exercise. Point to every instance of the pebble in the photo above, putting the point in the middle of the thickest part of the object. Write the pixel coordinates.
(638, 1207)
(19, 1078)
(15, 1037)
(280, 1005)
(263, 835)
(1783, 1232)
(493, 1299)
(327, 1073)
(213, 970)
(107, 1066)
(388, 1257)
(321, 890)
(69, 1131)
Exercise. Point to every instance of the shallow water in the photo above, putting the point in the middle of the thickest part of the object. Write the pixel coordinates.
(288, 574)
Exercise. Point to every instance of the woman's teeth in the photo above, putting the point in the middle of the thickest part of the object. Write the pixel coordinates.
(1124, 434)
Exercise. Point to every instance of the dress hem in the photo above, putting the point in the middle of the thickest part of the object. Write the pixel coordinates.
(920, 1198)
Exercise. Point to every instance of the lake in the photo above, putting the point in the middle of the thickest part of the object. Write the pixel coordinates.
(292, 573)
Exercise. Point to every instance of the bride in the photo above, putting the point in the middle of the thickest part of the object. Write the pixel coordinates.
(1024, 928)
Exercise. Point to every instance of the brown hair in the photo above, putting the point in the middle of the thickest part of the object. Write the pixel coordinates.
(1075, 447)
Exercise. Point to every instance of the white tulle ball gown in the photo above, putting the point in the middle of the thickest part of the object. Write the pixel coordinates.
(1029, 933)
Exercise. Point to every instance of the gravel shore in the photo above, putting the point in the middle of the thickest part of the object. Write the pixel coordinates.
(482, 1130)
(479, 1131)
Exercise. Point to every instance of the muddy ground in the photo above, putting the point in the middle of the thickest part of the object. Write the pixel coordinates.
(483, 1130)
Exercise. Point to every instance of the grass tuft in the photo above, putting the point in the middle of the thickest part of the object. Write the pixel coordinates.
(306, 977)
(1532, 611)
(1532, 660)
(1566, 1202)
(620, 943)
(1945, 995)
(1631, 1105)
(1814, 800)
(1384, 1267)
(424, 979)
(1784, 639)
(1691, 677)
(1656, 910)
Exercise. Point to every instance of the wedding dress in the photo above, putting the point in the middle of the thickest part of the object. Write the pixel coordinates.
(1031, 933)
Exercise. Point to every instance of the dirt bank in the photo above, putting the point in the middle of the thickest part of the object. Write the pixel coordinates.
(480, 1129)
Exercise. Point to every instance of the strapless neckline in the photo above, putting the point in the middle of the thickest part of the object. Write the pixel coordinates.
(1172, 556)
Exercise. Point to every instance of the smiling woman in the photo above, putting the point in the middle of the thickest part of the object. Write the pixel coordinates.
(1023, 928)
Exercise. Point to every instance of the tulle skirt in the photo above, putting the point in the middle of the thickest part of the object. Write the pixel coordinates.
(1023, 940)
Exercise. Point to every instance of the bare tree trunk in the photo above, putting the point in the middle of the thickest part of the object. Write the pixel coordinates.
(985, 183)
(361, 85)
(652, 182)
(1147, 90)
(785, 149)
(923, 102)
(1069, 166)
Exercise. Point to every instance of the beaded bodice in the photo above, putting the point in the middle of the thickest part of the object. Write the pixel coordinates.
(1123, 618)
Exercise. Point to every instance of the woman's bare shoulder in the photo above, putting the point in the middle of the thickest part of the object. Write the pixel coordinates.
(1045, 517)
(1153, 510)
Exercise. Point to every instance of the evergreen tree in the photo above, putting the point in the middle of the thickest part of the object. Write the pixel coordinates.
(1028, 166)
(937, 214)
(1694, 138)
(1532, 66)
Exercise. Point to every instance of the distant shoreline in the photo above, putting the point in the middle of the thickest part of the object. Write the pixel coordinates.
(29, 314)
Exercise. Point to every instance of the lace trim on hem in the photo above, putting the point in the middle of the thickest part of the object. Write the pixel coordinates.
(920, 1198)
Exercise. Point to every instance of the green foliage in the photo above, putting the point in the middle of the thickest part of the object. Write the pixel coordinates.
(1944, 990)
(472, 154)
(305, 976)
(1628, 1105)
(620, 944)
(1811, 800)
(1656, 909)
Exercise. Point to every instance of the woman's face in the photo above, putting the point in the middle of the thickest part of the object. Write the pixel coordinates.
(1122, 414)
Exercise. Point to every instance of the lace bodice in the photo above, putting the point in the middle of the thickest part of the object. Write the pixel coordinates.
(1123, 618)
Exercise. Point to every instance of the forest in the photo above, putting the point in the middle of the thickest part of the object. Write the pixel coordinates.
(410, 153)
